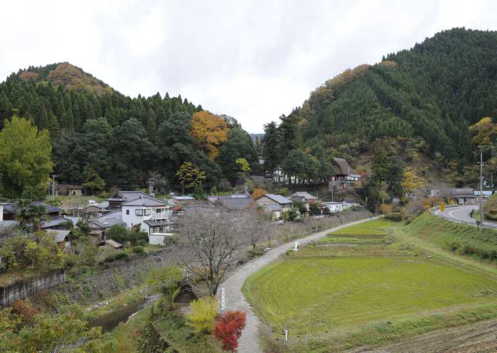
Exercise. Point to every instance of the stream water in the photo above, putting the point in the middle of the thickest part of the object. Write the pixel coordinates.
(111, 320)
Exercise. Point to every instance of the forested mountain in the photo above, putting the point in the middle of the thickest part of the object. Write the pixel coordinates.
(98, 133)
(423, 99)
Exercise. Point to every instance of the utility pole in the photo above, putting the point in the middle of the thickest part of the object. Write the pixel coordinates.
(481, 186)
(53, 186)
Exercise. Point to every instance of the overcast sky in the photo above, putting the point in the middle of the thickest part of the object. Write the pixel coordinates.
(253, 60)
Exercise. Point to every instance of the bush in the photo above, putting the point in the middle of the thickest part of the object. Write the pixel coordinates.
(25, 311)
(291, 215)
(202, 315)
(122, 235)
(229, 328)
(138, 238)
(117, 257)
(139, 250)
(253, 253)
(314, 209)
(394, 216)
(40, 252)
(118, 233)
(386, 208)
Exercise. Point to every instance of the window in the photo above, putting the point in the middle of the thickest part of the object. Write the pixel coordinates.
(139, 211)
(127, 212)
(158, 210)
(147, 211)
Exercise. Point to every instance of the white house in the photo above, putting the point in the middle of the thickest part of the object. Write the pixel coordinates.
(149, 214)
(334, 207)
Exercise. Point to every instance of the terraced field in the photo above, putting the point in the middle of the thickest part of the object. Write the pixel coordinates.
(358, 280)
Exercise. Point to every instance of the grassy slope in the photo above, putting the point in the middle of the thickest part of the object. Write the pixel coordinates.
(339, 297)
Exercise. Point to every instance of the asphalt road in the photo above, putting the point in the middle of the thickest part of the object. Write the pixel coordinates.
(234, 299)
(462, 214)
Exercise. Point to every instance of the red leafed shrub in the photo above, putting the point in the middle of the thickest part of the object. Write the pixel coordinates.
(24, 310)
(229, 328)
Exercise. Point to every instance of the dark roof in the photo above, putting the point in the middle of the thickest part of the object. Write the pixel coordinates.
(11, 208)
(107, 221)
(131, 195)
(303, 195)
(54, 222)
(343, 167)
(236, 203)
(146, 201)
(59, 235)
(233, 202)
(282, 200)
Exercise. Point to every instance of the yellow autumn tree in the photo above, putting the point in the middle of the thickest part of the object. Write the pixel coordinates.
(210, 131)
(484, 131)
(411, 181)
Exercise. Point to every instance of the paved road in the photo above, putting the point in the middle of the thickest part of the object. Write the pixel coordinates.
(462, 214)
(234, 299)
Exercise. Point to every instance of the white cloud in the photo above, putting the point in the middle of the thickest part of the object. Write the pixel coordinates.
(254, 60)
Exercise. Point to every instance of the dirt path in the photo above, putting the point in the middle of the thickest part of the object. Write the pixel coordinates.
(234, 299)
(476, 338)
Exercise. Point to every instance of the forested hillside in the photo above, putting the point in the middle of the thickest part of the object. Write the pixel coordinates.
(100, 135)
(420, 100)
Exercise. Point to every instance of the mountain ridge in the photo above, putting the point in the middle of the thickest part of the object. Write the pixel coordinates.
(67, 75)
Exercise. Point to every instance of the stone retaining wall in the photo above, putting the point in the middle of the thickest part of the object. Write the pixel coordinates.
(26, 288)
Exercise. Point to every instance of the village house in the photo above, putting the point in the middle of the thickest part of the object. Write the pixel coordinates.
(117, 200)
(344, 175)
(274, 204)
(147, 214)
(138, 211)
(333, 207)
(303, 197)
(99, 226)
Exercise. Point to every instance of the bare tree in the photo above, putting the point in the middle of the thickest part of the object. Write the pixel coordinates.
(255, 227)
(212, 238)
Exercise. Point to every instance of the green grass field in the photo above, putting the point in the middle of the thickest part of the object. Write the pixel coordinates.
(325, 294)
(376, 227)
(327, 289)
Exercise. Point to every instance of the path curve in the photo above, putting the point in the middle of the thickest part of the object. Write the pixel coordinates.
(462, 214)
(235, 300)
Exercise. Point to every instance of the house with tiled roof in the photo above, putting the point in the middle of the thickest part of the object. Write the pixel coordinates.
(274, 204)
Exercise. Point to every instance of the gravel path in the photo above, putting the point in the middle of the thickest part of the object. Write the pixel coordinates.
(234, 299)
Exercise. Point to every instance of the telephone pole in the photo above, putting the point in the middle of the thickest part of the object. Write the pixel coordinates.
(481, 187)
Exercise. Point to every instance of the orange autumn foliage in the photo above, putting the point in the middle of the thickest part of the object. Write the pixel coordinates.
(258, 192)
(210, 131)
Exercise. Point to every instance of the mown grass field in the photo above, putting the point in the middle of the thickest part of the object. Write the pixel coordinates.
(367, 292)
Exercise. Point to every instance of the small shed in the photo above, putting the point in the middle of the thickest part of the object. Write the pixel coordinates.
(114, 244)
(69, 190)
